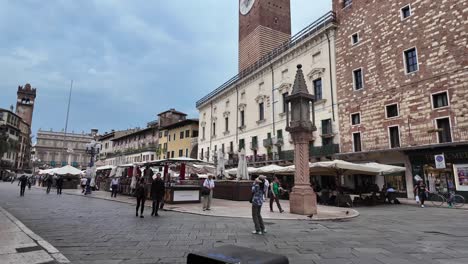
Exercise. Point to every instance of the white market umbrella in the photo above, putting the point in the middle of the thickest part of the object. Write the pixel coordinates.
(242, 172)
(68, 170)
(385, 169)
(271, 169)
(341, 167)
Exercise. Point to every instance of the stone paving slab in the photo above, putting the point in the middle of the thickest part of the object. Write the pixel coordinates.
(240, 209)
(89, 231)
(17, 246)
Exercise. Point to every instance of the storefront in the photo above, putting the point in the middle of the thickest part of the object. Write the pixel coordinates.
(452, 176)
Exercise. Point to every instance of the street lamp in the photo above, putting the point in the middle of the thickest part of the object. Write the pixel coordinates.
(93, 148)
(301, 126)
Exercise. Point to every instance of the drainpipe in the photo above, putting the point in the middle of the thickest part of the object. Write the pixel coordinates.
(211, 128)
(273, 96)
(237, 116)
(331, 76)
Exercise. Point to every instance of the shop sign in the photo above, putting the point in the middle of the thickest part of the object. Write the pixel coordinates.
(461, 176)
(440, 161)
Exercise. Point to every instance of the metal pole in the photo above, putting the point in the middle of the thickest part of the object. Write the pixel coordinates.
(66, 120)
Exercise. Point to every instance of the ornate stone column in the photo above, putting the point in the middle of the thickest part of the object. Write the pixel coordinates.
(302, 199)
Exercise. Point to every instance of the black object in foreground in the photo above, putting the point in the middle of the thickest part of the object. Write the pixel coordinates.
(230, 254)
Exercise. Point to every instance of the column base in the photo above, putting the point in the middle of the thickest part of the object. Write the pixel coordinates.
(303, 201)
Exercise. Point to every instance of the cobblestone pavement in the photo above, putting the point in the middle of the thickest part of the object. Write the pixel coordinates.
(90, 230)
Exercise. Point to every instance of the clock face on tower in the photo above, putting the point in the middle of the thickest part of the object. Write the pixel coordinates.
(245, 6)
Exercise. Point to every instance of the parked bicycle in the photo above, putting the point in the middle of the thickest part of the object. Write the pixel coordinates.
(438, 199)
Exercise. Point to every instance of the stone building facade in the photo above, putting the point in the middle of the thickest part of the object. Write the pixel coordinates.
(402, 80)
(248, 111)
(57, 149)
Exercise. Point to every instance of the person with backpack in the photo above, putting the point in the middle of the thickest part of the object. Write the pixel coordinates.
(258, 190)
(140, 193)
(59, 185)
(274, 194)
(49, 182)
(207, 192)
(22, 181)
(157, 193)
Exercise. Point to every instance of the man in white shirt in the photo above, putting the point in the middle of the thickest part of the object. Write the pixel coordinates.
(208, 184)
(114, 186)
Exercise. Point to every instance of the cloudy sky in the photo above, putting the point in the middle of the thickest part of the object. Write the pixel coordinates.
(129, 60)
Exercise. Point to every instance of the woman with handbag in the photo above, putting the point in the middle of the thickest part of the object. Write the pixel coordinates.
(421, 192)
(207, 192)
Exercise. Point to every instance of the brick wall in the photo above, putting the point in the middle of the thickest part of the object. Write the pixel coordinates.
(257, 44)
(438, 31)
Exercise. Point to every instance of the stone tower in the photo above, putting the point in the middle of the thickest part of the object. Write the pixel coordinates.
(263, 26)
(25, 102)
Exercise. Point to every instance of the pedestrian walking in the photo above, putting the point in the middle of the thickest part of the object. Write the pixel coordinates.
(114, 186)
(30, 181)
(22, 182)
(157, 193)
(207, 192)
(59, 184)
(140, 193)
(274, 194)
(88, 186)
(421, 192)
(83, 184)
(48, 182)
(258, 190)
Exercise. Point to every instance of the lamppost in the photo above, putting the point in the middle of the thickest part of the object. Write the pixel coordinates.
(301, 126)
(93, 148)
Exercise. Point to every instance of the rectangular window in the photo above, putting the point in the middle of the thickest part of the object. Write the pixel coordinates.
(181, 134)
(174, 137)
(203, 132)
(169, 138)
(357, 142)
(391, 110)
(194, 133)
(201, 154)
(318, 89)
(172, 154)
(165, 146)
(284, 74)
(285, 105)
(411, 60)
(445, 133)
(355, 38)
(186, 152)
(181, 152)
(187, 133)
(326, 127)
(231, 146)
(241, 144)
(440, 100)
(214, 129)
(226, 124)
(222, 148)
(160, 134)
(347, 3)
(405, 12)
(355, 119)
(242, 118)
(394, 133)
(358, 79)
(166, 133)
(279, 133)
(261, 113)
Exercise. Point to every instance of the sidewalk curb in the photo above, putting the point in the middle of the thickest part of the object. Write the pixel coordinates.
(59, 257)
(352, 215)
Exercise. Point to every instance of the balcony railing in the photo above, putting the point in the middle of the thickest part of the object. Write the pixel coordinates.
(268, 142)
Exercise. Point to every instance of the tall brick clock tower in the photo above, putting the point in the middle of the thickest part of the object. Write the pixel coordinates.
(25, 102)
(263, 25)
